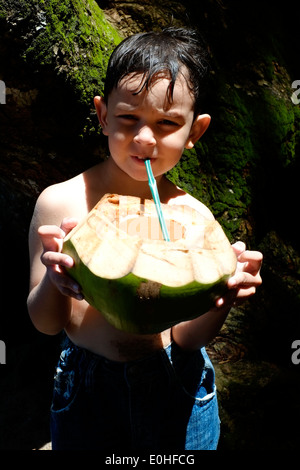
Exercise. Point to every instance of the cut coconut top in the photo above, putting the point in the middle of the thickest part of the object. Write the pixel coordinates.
(121, 235)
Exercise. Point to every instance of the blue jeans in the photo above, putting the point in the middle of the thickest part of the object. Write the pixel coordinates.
(163, 402)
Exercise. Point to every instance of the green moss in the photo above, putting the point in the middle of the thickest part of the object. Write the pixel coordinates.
(252, 135)
(75, 37)
(217, 171)
(281, 129)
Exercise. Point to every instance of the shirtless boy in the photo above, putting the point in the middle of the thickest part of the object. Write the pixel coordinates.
(115, 390)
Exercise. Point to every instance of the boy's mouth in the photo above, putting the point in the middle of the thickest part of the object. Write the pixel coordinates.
(141, 159)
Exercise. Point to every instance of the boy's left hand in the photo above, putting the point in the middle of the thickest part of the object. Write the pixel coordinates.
(246, 279)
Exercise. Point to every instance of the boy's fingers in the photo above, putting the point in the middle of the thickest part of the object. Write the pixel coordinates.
(239, 280)
(249, 255)
(239, 247)
(51, 231)
(252, 261)
(66, 285)
(51, 258)
(51, 237)
(243, 280)
(68, 224)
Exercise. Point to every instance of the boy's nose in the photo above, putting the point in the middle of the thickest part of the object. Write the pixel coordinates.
(144, 136)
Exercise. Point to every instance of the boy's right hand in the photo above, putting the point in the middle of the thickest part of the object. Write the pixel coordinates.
(55, 262)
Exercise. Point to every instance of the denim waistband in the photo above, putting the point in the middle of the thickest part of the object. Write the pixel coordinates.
(171, 359)
(82, 356)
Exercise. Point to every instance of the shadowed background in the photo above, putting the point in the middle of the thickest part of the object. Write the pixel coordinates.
(53, 57)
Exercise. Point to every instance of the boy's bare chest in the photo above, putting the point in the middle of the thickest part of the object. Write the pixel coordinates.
(90, 330)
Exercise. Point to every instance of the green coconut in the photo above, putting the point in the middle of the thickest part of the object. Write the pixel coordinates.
(139, 282)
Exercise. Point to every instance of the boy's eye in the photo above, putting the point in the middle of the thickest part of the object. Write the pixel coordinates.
(167, 122)
(128, 117)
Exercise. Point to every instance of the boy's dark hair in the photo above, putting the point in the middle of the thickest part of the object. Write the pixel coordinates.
(153, 53)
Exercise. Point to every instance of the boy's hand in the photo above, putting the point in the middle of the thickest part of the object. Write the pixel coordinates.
(52, 240)
(246, 279)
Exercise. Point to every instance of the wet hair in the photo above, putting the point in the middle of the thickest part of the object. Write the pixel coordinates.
(156, 54)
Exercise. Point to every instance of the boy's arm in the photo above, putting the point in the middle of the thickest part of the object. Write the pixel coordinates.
(49, 301)
(197, 333)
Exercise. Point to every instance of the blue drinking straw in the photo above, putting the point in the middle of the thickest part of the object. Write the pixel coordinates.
(155, 195)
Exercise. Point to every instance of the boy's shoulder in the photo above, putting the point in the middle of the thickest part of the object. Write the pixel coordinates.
(62, 199)
(186, 199)
(56, 191)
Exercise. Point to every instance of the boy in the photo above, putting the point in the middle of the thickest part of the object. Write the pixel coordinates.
(115, 390)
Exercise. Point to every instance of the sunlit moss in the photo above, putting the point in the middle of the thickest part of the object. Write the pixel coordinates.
(76, 37)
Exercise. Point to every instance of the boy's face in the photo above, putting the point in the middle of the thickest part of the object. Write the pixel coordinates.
(148, 125)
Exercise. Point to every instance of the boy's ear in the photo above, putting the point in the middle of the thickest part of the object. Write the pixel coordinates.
(199, 126)
(101, 109)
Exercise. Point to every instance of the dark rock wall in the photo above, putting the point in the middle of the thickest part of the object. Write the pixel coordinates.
(246, 169)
